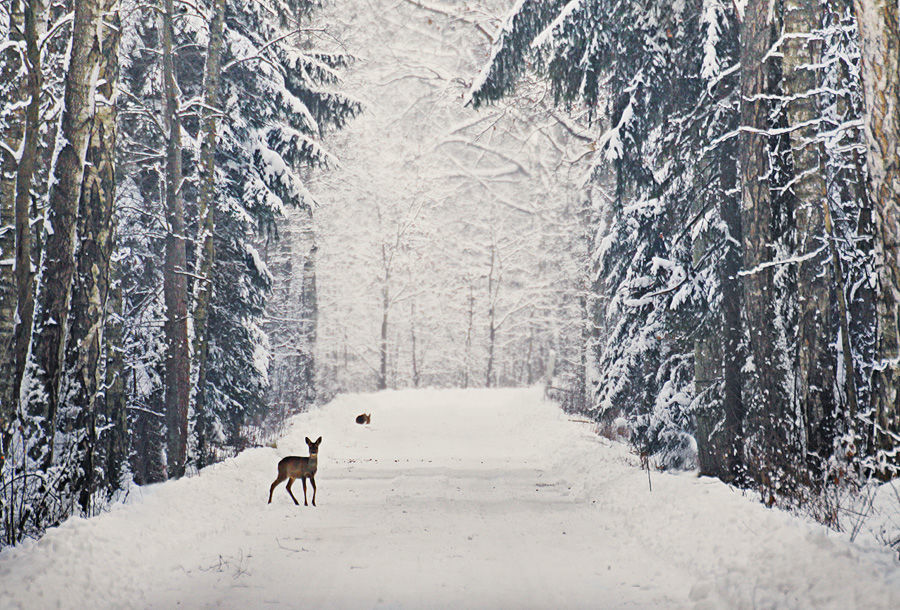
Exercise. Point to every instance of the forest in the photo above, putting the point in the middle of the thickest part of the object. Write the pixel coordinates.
(679, 217)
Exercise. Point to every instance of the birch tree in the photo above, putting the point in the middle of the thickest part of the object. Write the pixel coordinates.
(27, 28)
(803, 20)
(85, 370)
(58, 260)
(12, 67)
(879, 34)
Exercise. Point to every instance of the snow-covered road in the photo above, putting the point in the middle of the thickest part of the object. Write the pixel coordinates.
(465, 498)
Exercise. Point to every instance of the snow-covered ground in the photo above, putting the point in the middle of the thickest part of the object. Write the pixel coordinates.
(462, 498)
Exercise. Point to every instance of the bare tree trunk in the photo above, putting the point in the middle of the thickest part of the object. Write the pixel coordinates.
(32, 18)
(309, 299)
(58, 261)
(731, 313)
(815, 361)
(383, 345)
(97, 241)
(469, 330)
(12, 64)
(116, 436)
(879, 34)
(492, 329)
(759, 245)
(178, 359)
(412, 337)
(206, 203)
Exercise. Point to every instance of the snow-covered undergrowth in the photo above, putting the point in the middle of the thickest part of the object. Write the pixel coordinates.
(459, 498)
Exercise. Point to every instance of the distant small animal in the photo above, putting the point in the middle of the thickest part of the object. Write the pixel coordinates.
(364, 418)
(297, 467)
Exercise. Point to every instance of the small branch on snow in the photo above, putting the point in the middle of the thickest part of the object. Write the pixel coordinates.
(287, 548)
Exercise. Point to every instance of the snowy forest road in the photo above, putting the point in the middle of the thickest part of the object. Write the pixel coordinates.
(460, 498)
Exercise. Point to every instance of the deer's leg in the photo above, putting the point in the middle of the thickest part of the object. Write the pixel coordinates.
(312, 480)
(274, 485)
(304, 491)
(291, 482)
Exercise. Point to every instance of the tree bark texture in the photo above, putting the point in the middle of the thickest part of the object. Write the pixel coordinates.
(115, 438)
(206, 203)
(31, 18)
(767, 427)
(879, 35)
(12, 78)
(35, 26)
(96, 232)
(732, 325)
(175, 289)
(58, 261)
(802, 57)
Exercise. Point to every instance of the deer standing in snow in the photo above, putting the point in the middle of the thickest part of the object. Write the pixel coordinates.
(296, 467)
(365, 418)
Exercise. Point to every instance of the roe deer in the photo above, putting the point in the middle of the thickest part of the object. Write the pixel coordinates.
(365, 418)
(296, 467)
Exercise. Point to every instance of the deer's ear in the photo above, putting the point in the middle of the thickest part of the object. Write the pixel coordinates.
(318, 440)
(308, 442)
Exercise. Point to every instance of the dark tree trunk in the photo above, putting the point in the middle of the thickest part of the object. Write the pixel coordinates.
(732, 326)
(769, 407)
(115, 438)
(11, 88)
(206, 254)
(178, 364)
(31, 19)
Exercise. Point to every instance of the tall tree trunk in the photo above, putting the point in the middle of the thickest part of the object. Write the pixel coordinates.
(802, 59)
(412, 339)
(309, 300)
(383, 345)
(470, 328)
(12, 83)
(879, 34)
(732, 327)
(31, 17)
(206, 203)
(115, 437)
(97, 241)
(759, 248)
(492, 329)
(178, 359)
(51, 320)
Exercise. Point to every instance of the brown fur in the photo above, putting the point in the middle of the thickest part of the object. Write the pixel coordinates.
(297, 467)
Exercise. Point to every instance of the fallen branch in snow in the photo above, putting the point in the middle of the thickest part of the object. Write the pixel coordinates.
(287, 548)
